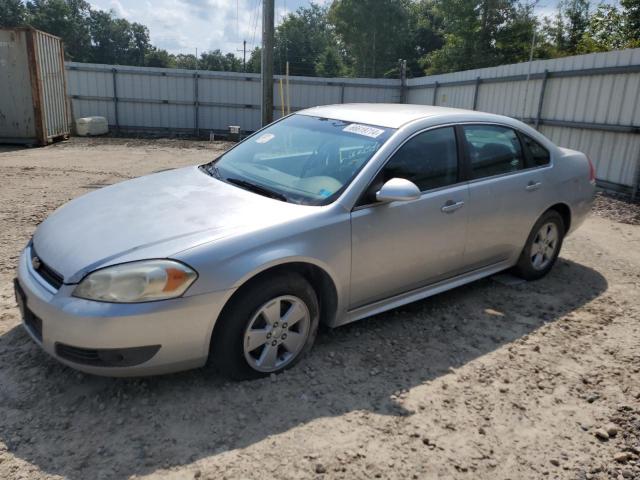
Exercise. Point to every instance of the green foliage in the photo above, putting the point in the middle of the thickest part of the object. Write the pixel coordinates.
(216, 60)
(481, 33)
(577, 15)
(12, 13)
(300, 39)
(186, 61)
(426, 34)
(117, 41)
(357, 37)
(632, 21)
(329, 63)
(374, 33)
(255, 61)
(159, 58)
(68, 19)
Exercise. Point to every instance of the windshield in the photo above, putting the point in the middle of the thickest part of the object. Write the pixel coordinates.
(301, 159)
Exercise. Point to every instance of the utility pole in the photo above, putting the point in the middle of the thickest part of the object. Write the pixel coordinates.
(268, 18)
(244, 55)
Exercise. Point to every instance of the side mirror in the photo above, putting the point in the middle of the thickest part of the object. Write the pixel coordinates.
(398, 189)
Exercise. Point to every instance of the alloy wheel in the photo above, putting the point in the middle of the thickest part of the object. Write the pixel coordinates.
(277, 333)
(544, 246)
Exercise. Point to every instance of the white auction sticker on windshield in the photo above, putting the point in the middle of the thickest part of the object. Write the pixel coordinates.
(363, 130)
(267, 137)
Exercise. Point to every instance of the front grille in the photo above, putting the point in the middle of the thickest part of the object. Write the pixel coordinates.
(47, 273)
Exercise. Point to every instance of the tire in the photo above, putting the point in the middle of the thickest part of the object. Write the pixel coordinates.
(258, 314)
(539, 253)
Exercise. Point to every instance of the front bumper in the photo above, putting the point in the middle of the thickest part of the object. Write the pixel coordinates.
(180, 327)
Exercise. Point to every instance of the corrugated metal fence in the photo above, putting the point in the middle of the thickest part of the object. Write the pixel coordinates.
(588, 102)
(159, 98)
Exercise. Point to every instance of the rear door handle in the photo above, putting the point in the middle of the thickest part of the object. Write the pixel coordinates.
(451, 206)
(533, 186)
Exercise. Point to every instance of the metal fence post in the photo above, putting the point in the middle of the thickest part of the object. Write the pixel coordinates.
(115, 96)
(541, 100)
(475, 93)
(196, 104)
(435, 94)
(342, 93)
(403, 81)
(636, 181)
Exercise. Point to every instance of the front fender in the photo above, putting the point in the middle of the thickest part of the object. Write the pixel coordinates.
(230, 262)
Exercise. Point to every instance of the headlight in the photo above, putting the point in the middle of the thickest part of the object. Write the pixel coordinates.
(137, 282)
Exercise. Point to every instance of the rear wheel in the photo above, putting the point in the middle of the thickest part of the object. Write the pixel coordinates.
(268, 327)
(542, 247)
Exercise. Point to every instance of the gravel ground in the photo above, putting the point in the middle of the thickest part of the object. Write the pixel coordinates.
(493, 380)
(618, 208)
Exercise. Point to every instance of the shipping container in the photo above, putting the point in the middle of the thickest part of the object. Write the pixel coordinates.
(33, 99)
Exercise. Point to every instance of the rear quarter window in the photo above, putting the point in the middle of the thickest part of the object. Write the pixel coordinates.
(539, 155)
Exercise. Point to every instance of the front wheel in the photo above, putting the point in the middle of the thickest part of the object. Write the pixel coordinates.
(267, 327)
(542, 247)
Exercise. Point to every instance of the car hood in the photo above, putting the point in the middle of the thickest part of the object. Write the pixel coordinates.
(153, 216)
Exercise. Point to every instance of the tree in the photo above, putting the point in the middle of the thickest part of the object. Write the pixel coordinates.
(254, 64)
(513, 39)
(68, 19)
(374, 32)
(12, 13)
(117, 41)
(301, 39)
(605, 31)
(577, 14)
(186, 61)
(159, 58)
(473, 30)
(425, 34)
(632, 21)
(216, 60)
(329, 63)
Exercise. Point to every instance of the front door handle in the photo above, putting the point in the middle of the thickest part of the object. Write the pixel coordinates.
(532, 186)
(451, 206)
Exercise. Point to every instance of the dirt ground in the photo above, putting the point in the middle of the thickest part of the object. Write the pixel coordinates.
(490, 381)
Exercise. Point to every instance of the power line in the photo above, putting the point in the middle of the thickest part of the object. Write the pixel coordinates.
(257, 11)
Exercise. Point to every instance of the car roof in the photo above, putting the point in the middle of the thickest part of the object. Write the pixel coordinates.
(393, 115)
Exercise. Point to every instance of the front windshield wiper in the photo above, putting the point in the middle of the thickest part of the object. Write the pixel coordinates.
(259, 189)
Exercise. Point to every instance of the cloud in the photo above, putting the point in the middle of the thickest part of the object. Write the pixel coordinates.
(184, 25)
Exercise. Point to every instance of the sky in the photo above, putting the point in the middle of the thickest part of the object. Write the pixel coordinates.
(181, 26)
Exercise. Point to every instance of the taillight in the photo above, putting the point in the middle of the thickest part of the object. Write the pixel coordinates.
(592, 171)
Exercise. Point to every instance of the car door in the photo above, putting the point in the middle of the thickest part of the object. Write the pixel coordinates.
(506, 194)
(400, 246)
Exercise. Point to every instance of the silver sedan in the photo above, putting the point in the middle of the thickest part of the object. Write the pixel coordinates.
(327, 216)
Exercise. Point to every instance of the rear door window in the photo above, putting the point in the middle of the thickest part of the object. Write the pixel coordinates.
(493, 150)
